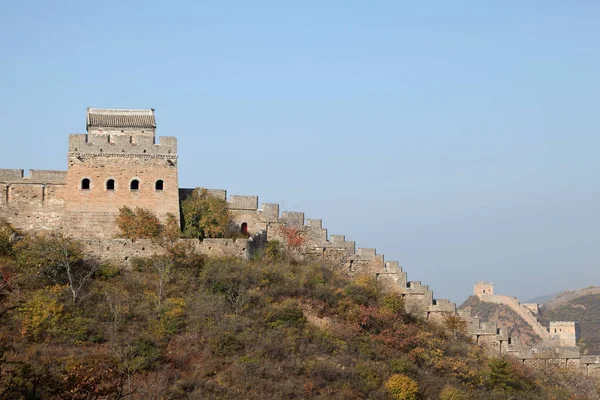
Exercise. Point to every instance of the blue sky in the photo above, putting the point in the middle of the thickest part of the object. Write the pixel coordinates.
(460, 138)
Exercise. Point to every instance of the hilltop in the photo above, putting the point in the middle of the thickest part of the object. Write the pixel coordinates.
(544, 298)
(184, 326)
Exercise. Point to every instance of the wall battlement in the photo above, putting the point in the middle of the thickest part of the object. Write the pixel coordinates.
(37, 176)
(124, 146)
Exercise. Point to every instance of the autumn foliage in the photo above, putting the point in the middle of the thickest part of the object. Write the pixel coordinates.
(293, 236)
(184, 327)
(139, 223)
(205, 215)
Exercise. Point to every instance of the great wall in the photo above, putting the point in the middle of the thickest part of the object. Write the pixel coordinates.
(120, 163)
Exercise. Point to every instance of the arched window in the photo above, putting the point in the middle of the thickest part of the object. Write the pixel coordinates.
(85, 184)
(159, 185)
(110, 184)
(244, 228)
(135, 185)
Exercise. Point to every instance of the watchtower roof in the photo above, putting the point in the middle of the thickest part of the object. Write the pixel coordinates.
(120, 118)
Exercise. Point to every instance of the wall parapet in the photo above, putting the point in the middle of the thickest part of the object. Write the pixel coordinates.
(122, 146)
(37, 176)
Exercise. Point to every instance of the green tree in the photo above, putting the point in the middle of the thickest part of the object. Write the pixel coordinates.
(504, 378)
(205, 216)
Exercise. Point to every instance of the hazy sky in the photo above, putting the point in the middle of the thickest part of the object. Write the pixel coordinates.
(458, 137)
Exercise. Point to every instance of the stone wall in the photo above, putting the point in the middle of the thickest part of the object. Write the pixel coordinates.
(34, 202)
(122, 251)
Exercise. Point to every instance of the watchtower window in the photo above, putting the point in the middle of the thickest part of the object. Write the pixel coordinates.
(110, 184)
(159, 185)
(244, 228)
(85, 184)
(135, 185)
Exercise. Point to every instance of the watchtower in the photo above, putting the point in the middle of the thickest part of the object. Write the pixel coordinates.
(119, 163)
(566, 331)
(483, 288)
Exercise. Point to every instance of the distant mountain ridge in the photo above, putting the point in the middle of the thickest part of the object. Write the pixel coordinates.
(545, 298)
(570, 295)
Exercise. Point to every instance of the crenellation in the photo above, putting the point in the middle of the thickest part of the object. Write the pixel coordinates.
(36, 176)
(269, 212)
(443, 306)
(392, 266)
(86, 145)
(243, 202)
(48, 176)
(11, 175)
(337, 239)
(292, 218)
(315, 223)
(315, 235)
(218, 193)
(367, 253)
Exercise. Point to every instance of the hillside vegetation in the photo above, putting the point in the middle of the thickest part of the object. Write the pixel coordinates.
(185, 327)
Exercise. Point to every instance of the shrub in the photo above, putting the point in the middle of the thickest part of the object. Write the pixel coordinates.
(364, 290)
(205, 216)
(140, 223)
(184, 256)
(273, 250)
(401, 387)
(452, 393)
(7, 238)
(293, 236)
(402, 365)
(108, 271)
(288, 315)
(394, 303)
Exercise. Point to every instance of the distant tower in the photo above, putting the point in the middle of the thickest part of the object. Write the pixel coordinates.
(483, 288)
(566, 331)
(118, 163)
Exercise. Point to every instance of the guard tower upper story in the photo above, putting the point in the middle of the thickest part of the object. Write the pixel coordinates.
(121, 122)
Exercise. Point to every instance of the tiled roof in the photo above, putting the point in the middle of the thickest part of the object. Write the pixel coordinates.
(115, 118)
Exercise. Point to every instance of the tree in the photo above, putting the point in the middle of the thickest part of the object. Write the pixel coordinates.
(163, 266)
(140, 223)
(205, 216)
(170, 231)
(59, 259)
(504, 378)
(293, 236)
